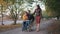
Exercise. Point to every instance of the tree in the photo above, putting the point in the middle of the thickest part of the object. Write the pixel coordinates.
(15, 8)
(2, 13)
(53, 6)
(13, 15)
(2, 8)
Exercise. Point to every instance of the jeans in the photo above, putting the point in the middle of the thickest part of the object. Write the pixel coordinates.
(26, 25)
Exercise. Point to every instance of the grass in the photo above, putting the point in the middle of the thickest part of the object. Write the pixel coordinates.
(54, 28)
(8, 27)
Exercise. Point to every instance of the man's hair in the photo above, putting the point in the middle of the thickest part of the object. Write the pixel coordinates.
(29, 11)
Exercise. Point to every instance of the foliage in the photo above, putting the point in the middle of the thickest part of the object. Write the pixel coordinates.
(53, 7)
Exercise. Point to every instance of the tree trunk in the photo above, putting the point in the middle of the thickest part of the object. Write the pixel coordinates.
(15, 22)
(15, 19)
(2, 19)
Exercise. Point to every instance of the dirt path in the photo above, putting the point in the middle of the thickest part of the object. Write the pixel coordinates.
(43, 29)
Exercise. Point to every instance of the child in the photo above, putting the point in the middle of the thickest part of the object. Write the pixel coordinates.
(25, 18)
(30, 20)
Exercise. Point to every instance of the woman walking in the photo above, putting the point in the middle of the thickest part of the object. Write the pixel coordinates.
(38, 17)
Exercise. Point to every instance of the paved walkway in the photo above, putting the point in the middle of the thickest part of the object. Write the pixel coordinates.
(43, 29)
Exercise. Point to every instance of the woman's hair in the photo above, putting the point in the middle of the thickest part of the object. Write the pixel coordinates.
(38, 7)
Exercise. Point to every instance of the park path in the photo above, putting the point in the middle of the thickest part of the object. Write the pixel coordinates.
(43, 28)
